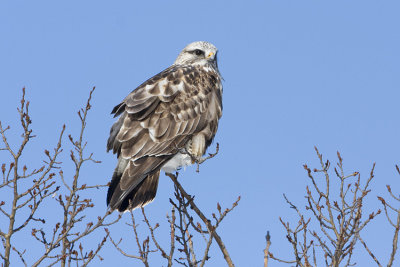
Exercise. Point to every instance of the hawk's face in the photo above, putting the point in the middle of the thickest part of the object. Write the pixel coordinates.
(198, 53)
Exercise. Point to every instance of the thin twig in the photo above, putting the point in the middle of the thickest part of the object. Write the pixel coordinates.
(204, 219)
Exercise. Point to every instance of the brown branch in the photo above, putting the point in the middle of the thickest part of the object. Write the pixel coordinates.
(34, 195)
(21, 255)
(369, 251)
(116, 245)
(163, 254)
(338, 213)
(66, 234)
(203, 218)
(395, 239)
(396, 225)
(266, 250)
(171, 221)
(205, 256)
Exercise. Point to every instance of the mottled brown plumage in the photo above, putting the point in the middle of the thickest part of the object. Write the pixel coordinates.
(173, 113)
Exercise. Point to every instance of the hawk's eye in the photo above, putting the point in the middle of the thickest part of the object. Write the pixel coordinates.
(198, 52)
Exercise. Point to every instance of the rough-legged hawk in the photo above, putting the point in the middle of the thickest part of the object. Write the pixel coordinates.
(164, 124)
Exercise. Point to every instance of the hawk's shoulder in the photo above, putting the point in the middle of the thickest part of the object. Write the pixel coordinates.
(187, 79)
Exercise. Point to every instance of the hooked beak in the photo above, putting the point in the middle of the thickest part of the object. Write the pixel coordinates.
(211, 55)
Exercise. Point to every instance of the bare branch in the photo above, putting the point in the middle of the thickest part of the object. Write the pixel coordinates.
(266, 250)
(338, 213)
(203, 218)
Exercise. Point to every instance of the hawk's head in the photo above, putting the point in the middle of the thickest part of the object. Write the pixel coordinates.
(198, 53)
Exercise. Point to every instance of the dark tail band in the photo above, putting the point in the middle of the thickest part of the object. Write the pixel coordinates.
(141, 195)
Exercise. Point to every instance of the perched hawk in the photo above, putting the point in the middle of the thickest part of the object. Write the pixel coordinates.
(164, 124)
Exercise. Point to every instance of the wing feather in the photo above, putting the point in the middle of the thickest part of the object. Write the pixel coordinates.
(159, 118)
(180, 108)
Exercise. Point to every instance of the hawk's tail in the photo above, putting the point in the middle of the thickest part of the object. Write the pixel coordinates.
(141, 195)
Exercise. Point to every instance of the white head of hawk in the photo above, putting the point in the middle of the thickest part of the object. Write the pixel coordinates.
(164, 123)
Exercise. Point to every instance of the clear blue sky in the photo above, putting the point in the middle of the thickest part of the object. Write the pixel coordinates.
(297, 74)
